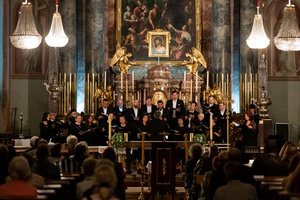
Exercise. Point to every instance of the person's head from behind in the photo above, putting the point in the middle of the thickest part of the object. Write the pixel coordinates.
(81, 150)
(270, 146)
(212, 151)
(88, 166)
(42, 151)
(55, 150)
(110, 154)
(3, 154)
(19, 169)
(32, 141)
(72, 140)
(295, 161)
(289, 152)
(66, 150)
(234, 155)
(195, 151)
(106, 180)
(232, 170)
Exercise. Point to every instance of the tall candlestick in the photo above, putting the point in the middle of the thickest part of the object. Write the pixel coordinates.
(126, 87)
(110, 117)
(210, 128)
(132, 81)
(207, 80)
(121, 80)
(104, 80)
(196, 82)
(184, 79)
(191, 88)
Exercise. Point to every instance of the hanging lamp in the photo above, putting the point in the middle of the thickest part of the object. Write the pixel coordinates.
(258, 38)
(56, 36)
(25, 35)
(288, 37)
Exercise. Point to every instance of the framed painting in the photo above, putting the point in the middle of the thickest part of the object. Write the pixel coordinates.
(135, 18)
(158, 42)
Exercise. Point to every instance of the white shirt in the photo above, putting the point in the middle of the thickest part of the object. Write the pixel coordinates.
(105, 111)
(174, 103)
(149, 109)
(135, 112)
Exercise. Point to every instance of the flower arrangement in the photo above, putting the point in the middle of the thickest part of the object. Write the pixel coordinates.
(200, 138)
(117, 140)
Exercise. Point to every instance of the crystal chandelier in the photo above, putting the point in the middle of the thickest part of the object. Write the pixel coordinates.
(26, 36)
(56, 36)
(288, 37)
(258, 38)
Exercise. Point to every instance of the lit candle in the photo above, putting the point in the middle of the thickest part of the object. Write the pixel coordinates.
(121, 80)
(132, 81)
(211, 128)
(104, 80)
(207, 80)
(197, 81)
(184, 79)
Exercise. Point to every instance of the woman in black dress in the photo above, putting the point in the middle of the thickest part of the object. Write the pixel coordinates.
(249, 130)
(44, 127)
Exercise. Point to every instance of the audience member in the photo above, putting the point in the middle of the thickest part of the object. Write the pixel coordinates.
(88, 167)
(43, 166)
(55, 155)
(270, 165)
(110, 154)
(234, 189)
(20, 172)
(3, 163)
(195, 153)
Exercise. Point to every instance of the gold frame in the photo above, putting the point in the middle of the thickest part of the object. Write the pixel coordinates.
(158, 33)
(198, 32)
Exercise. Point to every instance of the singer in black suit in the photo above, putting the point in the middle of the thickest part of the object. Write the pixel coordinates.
(211, 106)
(149, 108)
(134, 114)
(163, 111)
(103, 112)
(175, 108)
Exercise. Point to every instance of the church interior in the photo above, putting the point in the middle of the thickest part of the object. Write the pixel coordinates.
(141, 99)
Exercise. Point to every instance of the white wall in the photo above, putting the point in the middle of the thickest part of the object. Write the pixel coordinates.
(286, 105)
(30, 98)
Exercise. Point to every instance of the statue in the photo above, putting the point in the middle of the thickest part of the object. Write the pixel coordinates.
(54, 89)
(121, 58)
(262, 103)
(102, 94)
(196, 59)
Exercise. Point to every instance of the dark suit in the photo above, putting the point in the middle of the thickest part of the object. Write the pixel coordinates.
(214, 108)
(165, 114)
(153, 109)
(100, 112)
(119, 112)
(222, 123)
(174, 114)
(130, 115)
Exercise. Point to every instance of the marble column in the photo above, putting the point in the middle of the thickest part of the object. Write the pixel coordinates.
(94, 36)
(68, 53)
(221, 59)
(248, 57)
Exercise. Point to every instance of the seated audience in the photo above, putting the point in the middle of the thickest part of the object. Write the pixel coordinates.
(88, 167)
(80, 154)
(55, 155)
(110, 154)
(195, 153)
(42, 166)
(234, 189)
(20, 172)
(270, 165)
(3, 163)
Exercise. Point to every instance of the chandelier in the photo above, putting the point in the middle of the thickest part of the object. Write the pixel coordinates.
(288, 37)
(26, 36)
(258, 38)
(56, 36)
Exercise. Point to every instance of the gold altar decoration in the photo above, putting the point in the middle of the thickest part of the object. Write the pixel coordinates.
(121, 59)
(216, 92)
(195, 59)
(102, 94)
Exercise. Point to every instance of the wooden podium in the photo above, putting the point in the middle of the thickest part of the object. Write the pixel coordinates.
(163, 169)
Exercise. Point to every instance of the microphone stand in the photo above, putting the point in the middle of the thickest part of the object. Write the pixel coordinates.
(21, 131)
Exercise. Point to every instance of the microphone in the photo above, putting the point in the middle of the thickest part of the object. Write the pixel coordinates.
(21, 116)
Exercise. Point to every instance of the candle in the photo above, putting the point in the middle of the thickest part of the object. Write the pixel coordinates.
(110, 117)
(197, 81)
(121, 80)
(207, 80)
(210, 128)
(184, 79)
(104, 80)
(132, 81)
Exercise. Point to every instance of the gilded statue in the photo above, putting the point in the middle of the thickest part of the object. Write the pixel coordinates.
(216, 92)
(195, 59)
(101, 94)
(121, 59)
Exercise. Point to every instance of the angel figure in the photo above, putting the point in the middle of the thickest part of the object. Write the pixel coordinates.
(196, 59)
(121, 58)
